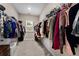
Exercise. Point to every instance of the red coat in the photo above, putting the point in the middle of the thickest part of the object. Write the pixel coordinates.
(56, 33)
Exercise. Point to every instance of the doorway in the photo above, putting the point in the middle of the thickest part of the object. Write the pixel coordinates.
(29, 30)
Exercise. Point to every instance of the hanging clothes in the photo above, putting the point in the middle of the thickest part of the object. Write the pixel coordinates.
(62, 30)
(13, 25)
(63, 22)
(56, 33)
(51, 29)
(9, 28)
(46, 28)
(52, 22)
(75, 30)
(71, 38)
(20, 31)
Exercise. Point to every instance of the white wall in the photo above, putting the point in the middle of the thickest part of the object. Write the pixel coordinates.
(10, 10)
(47, 10)
(24, 17)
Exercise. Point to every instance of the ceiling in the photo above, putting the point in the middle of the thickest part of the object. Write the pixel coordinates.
(29, 8)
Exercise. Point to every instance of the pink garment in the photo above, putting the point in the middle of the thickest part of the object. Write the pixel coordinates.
(56, 33)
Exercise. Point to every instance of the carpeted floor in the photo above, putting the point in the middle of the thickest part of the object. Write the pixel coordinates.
(29, 48)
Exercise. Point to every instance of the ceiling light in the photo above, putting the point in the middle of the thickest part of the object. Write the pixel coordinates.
(29, 8)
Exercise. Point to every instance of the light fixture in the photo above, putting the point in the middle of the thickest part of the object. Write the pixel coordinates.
(29, 8)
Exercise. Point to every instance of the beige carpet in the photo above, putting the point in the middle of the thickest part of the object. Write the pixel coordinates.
(28, 48)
